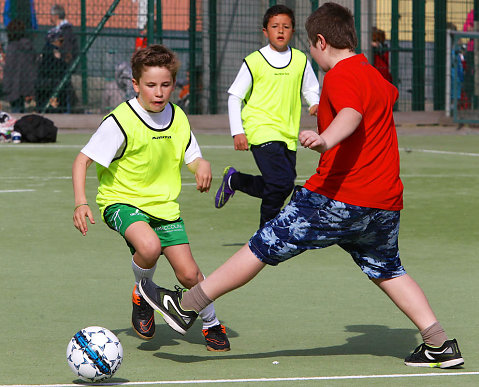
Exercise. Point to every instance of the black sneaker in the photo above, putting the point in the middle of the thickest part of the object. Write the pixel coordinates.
(168, 304)
(446, 356)
(142, 317)
(216, 339)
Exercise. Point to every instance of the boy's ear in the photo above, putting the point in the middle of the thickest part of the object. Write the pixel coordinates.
(135, 85)
(321, 41)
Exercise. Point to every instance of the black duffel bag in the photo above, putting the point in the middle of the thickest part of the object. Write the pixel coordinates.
(36, 128)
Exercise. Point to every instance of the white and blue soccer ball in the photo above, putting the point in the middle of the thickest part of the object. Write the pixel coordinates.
(94, 354)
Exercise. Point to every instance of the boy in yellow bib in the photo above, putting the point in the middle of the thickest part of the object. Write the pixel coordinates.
(139, 149)
(270, 83)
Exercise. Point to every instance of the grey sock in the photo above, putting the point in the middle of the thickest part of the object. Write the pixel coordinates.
(434, 335)
(195, 299)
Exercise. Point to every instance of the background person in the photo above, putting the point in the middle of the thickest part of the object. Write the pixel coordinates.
(69, 49)
(270, 81)
(469, 60)
(381, 53)
(51, 71)
(20, 68)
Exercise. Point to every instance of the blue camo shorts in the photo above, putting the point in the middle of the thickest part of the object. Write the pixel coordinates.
(313, 221)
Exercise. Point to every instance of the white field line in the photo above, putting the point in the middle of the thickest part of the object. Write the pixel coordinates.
(79, 147)
(187, 177)
(64, 146)
(16, 190)
(219, 177)
(260, 380)
(439, 152)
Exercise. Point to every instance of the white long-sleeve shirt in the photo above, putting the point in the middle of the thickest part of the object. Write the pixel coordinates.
(243, 83)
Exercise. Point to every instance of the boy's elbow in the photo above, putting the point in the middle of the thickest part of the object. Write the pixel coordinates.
(354, 117)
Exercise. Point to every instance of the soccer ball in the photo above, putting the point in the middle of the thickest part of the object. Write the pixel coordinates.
(94, 354)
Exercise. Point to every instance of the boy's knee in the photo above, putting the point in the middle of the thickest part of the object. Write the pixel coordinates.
(189, 278)
(149, 250)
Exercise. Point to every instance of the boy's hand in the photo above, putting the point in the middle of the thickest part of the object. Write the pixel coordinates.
(313, 110)
(241, 142)
(312, 140)
(79, 218)
(203, 176)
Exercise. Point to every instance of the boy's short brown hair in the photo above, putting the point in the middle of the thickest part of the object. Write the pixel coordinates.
(278, 9)
(155, 55)
(335, 23)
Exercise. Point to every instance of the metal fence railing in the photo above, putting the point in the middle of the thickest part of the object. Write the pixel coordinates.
(211, 39)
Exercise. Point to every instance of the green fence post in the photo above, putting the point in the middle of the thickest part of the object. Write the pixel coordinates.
(395, 42)
(439, 54)
(213, 57)
(475, 96)
(418, 53)
(83, 60)
(192, 58)
(150, 22)
(159, 22)
(357, 23)
(272, 2)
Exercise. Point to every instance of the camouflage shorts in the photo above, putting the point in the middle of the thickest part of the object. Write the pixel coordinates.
(313, 221)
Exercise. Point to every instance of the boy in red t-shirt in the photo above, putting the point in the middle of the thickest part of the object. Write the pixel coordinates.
(353, 200)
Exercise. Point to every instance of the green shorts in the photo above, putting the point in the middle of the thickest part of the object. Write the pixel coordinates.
(120, 216)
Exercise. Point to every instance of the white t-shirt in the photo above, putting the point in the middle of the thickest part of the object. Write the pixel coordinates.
(109, 140)
(243, 82)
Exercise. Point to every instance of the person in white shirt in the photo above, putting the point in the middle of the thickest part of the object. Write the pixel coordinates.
(270, 83)
(139, 150)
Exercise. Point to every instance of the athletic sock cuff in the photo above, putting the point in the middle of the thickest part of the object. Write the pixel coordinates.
(195, 299)
(434, 335)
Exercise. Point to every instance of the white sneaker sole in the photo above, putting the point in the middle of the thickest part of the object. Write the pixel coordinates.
(444, 364)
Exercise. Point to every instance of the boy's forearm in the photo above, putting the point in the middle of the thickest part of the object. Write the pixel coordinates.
(202, 171)
(80, 166)
(197, 163)
(234, 115)
(193, 166)
(343, 125)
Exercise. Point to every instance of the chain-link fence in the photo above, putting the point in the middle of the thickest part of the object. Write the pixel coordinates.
(405, 39)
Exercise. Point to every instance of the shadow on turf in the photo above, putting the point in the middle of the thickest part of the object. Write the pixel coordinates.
(109, 382)
(167, 337)
(376, 340)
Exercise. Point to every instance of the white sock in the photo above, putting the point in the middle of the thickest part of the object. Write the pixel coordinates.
(208, 315)
(141, 273)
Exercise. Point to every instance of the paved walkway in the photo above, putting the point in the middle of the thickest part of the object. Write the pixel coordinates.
(422, 122)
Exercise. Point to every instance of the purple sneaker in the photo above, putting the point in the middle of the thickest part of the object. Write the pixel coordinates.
(224, 192)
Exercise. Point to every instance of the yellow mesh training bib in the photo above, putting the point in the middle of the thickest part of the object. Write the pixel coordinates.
(147, 173)
(273, 108)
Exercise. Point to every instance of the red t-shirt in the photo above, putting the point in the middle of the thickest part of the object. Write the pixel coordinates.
(363, 169)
